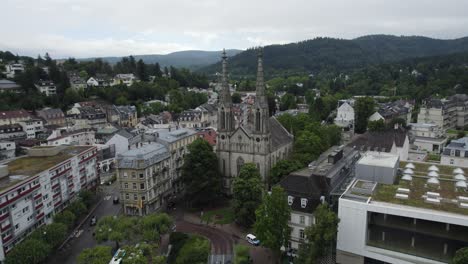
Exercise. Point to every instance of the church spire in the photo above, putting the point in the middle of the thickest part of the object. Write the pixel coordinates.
(260, 85)
(225, 93)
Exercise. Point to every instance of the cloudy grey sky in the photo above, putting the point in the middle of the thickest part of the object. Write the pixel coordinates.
(85, 28)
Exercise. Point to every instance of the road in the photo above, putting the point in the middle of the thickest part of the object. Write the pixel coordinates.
(84, 238)
(221, 242)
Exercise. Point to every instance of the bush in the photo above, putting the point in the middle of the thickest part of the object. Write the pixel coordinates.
(241, 254)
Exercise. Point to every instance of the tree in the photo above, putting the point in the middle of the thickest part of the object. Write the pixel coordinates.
(461, 256)
(308, 147)
(30, 251)
(95, 255)
(320, 236)
(66, 217)
(364, 108)
(194, 251)
(288, 101)
(200, 173)
(141, 71)
(247, 194)
(281, 169)
(53, 234)
(461, 134)
(377, 125)
(272, 216)
(241, 254)
(236, 98)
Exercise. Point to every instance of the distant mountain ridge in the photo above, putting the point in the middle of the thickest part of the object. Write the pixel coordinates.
(322, 54)
(191, 59)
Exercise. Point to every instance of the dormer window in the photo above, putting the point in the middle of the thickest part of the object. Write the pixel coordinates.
(303, 202)
(290, 200)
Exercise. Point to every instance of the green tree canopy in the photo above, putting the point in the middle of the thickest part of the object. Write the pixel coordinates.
(364, 108)
(377, 125)
(247, 194)
(30, 251)
(200, 173)
(272, 216)
(283, 168)
(461, 256)
(195, 251)
(95, 255)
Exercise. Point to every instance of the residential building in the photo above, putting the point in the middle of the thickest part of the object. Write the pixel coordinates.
(9, 86)
(395, 141)
(12, 69)
(260, 139)
(124, 140)
(323, 181)
(448, 113)
(32, 127)
(127, 79)
(52, 116)
(13, 117)
(209, 135)
(46, 87)
(191, 119)
(145, 179)
(106, 163)
(456, 153)
(127, 115)
(399, 109)
(12, 132)
(35, 187)
(163, 120)
(78, 137)
(88, 117)
(99, 80)
(417, 219)
(427, 137)
(78, 83)
(209, 114)
(345, 118)
(7, 149)
(376, 116)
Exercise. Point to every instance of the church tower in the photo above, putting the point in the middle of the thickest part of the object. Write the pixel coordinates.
(225, 114)
(261, 125)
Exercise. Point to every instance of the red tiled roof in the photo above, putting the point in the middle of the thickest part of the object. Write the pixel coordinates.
(14, 114)
(208, 135)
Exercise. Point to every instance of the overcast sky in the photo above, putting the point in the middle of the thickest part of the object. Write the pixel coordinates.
(88, 28)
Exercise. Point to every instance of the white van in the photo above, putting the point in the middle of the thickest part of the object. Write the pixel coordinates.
(252, 239)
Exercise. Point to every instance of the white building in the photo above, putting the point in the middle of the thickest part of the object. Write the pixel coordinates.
(78, 137)
(456, 153)
(428, 137)
(345, 115)
(13, 69)
(127, 79)
(415, 221)
(34, 188)
(7, 149)
(46, 87)
(376, 117)
(32, 127)
(446, 113)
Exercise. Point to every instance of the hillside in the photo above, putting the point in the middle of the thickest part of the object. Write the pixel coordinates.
(316, 55)
(192, 59)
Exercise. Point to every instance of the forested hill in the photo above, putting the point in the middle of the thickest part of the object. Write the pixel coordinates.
(191, 59)
(316, 55)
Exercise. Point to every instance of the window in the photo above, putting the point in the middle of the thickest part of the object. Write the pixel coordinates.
(303, 202)
(125, 175)
(290, 200)
(133, 175)
(13, 206)
(301, 233)
(451, 161)
(302, 219)
(127, 197)
(143, 198)
(142, 186)
(16, 226)
(142, 175)
(134, 186)
(126, 185)
(135, 197)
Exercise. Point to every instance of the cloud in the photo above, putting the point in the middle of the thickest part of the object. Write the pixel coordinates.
(121, 27)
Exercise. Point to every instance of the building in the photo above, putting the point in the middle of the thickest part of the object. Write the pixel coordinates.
(78, 83)
(9, 86)
(7, 149)
(12, 69)
(127, 115)
(88, 117)
(448, 113)
(399, 109)
(324, 180)
(46, 87)
(144, 175)
(79, 137)
(99, 80)
(52, 116)
(191, 119)
(418, 219)
(13, 117)
(259, 139)
(12, 132)
(456, 153)
(427, 137)
(209, 135)
(209, 114)
(35, 187)
(345, 118)
(32, 127)
(124, 140)
(395, 141)
(127, 79)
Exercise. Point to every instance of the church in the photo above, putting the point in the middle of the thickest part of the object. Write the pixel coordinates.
(260, 139)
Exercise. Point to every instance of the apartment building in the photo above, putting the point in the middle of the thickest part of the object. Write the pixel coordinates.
(421, 217)
(32, 127)
(74, 137)
(12, 132)
(13, 69)
(428, 137)
(35, 187)
(456, 153)
(448, 113)
(13, 117)
(46, 87)
(7, 149)
(52, 116)
(144, 177)
(324, 180)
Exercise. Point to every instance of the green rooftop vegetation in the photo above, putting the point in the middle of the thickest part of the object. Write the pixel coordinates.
(421, 169)
(31, 166)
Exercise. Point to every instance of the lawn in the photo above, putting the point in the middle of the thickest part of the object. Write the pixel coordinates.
(219, 216)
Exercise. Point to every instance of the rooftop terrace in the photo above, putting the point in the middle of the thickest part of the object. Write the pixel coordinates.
(417, 192)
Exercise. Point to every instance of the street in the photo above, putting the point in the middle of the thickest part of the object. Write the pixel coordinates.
(84, 237)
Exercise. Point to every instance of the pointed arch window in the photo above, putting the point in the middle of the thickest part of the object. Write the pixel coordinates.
(222, 121)
(257, 120)
(240, 163)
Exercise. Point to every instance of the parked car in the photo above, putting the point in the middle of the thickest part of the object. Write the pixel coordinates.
(115, 200)
(252, 239)
(93, 221)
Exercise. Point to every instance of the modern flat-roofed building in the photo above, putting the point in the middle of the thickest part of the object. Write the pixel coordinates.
(417, 219)
(447, 113)
(428, 137)
(456, 153)
(35, 187)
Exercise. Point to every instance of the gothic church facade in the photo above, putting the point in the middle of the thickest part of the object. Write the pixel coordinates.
(260, 139)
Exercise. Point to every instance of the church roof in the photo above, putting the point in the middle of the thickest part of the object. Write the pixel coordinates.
(279, 135)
